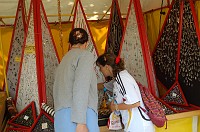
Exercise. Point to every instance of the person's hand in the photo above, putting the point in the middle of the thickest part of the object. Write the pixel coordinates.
(81, 128)
(112, 106)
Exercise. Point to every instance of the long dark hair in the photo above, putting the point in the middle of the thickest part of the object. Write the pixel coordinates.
(111, 60)
(78, 36)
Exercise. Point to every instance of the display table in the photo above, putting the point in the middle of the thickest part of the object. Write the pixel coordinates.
(180, 122)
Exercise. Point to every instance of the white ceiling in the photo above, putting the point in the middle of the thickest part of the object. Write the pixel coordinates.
(94, 9)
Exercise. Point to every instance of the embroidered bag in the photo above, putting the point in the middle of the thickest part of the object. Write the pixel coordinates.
(153, 109)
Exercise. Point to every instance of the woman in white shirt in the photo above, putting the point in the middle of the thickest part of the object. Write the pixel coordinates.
(126, 93)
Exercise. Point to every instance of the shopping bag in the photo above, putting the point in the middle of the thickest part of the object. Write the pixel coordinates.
(114, 122)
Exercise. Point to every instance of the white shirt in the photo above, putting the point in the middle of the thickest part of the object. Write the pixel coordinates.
(137, 123)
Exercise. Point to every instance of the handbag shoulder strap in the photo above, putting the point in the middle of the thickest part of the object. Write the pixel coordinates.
(140, 110)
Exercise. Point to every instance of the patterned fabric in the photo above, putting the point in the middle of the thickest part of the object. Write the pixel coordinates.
(38, 63)
(165, 53)
(50, 57)
(176, 59)
(167, 108)
(115, 30)
(43, 124)
(189, 64)
(175, 96)
(13, 129)
(16, 50)
(131, 48)
(25, 118)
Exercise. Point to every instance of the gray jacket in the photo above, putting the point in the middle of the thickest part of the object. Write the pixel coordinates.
(75, 84)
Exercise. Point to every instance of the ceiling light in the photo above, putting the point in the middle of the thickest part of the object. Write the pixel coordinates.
(108, 12)
(71, 3)
(104, 11)
(95, 17)
(48, 0)
(95, 12)
(91, 5)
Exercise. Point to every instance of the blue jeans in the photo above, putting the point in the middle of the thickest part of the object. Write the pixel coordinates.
(62, 121)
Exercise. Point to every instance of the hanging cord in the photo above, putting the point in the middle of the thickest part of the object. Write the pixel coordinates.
(60, 27)
(161, 13)
(4, 69)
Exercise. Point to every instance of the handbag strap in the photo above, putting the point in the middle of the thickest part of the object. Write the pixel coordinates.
(140, 110)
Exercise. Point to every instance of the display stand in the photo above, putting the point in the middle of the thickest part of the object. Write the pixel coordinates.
(135, 49)
(38, 62)
(15, 51)
(176, 55)
(25, 118)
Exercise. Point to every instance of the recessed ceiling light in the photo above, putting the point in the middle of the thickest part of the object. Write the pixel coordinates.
(91, 5)
(108, 12)
(95, 12)
(104, 11)
(71, 3)
(48, 0)
(95, 17)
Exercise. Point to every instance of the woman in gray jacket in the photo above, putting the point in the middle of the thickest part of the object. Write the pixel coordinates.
(75, 88)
